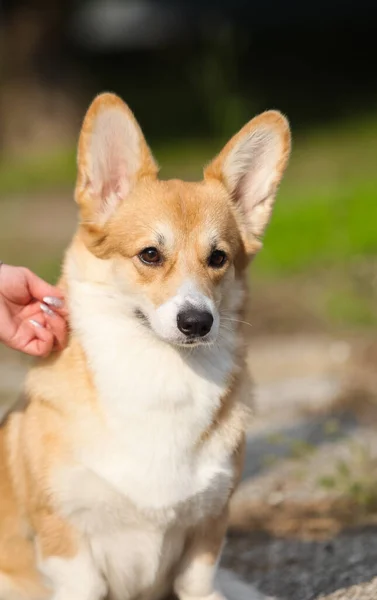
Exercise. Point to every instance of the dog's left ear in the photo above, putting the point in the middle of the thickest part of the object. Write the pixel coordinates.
(112, 156)
(251, 166)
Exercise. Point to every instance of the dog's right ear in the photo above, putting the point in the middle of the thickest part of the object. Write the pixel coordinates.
(112, 156)
(250, 167)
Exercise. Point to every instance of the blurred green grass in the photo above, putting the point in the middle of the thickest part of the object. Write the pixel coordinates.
(322, 229)
(326, 211)
(38, 173)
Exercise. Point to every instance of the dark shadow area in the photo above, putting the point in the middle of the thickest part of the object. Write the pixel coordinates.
(198, 69)
(303, 570)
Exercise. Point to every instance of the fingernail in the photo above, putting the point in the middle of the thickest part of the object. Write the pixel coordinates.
(53, 301)
(35, 323)
(47, 310)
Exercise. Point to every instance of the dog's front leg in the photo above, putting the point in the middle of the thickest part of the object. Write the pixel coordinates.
(196, 574)
(195, 579)
(65, 560)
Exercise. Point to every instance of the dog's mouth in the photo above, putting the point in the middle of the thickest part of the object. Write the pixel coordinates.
(194, 341)
(142, 317)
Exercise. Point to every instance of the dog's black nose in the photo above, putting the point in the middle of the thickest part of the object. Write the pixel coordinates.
(194, 322)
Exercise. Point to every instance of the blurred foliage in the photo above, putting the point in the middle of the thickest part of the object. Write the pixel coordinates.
(355, 479)
(38, 173)
(348, 306)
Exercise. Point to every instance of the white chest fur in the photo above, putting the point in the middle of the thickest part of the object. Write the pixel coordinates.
(157, 402)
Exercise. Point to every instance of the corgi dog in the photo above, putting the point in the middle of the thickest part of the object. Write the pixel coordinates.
(116, 477)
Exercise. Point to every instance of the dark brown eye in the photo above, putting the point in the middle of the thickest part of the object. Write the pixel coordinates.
(217, 259)
(150, 256)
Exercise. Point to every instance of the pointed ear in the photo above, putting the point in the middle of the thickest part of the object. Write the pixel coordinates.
(251, 166)
(112, 156)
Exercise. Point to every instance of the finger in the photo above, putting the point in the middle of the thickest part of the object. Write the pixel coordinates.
(41, 310)
(55, 304)
(33, 309)
(41, 290)
(53, 322)
(52, 314)
(34, 339)
(58, 326)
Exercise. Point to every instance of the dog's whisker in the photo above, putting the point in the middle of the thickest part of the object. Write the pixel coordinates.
(236, 321)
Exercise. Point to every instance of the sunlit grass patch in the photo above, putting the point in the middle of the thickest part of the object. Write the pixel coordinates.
(38, 173)
(321, 230)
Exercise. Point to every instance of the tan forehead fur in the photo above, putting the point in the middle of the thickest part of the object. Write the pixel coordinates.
(185, 220)
(188, 210)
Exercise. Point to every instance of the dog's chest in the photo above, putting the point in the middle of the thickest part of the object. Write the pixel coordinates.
(156, 406)
(153, 466)
(148, 462)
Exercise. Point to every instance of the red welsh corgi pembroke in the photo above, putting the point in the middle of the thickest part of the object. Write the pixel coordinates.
(115, 479)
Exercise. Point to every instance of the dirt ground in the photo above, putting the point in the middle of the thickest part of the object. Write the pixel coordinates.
(304, 520)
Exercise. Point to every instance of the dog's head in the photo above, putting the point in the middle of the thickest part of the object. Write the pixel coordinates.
(177, 251)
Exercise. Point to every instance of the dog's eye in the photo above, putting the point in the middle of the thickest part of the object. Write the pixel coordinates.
(217, 259)
(150, 256)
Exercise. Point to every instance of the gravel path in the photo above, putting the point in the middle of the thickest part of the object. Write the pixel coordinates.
(289, 569)
(363, 591)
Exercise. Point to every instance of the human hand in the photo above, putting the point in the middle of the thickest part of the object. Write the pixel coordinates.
(32, 313)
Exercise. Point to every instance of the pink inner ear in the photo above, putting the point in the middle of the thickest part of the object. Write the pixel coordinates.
(251, 169)
(117, 183)
(254, 186)
(114, 157)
